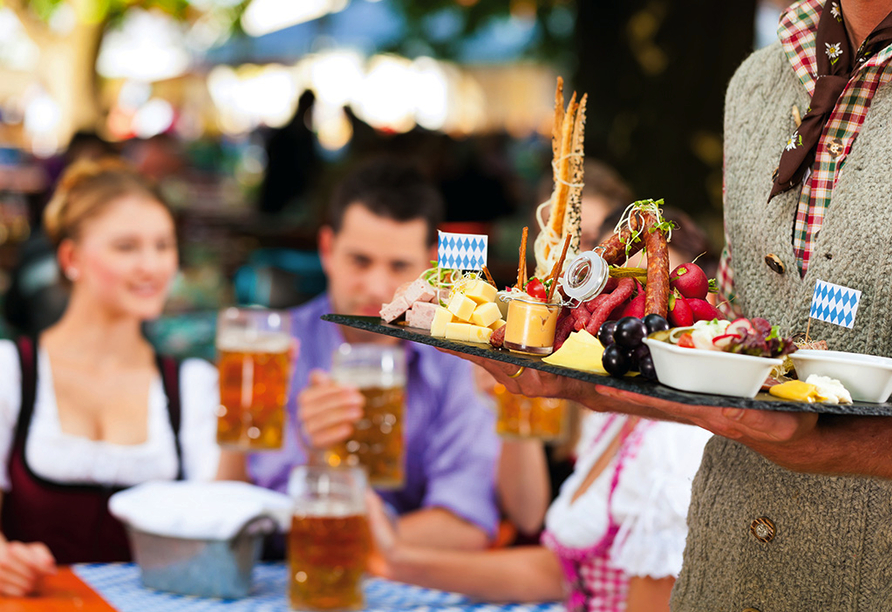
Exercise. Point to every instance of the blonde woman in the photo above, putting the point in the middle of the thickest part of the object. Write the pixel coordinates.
(88, 408)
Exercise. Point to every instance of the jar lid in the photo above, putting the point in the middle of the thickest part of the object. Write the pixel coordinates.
(586, 276)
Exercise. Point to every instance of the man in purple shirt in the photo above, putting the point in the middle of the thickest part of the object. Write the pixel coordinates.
(382, 233)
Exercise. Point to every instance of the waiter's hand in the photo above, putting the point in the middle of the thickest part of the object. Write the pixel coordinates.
(327, 410)
(23, 566)
(798, 441)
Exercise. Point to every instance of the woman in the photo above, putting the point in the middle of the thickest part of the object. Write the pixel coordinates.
(614, 536)
(87, 408)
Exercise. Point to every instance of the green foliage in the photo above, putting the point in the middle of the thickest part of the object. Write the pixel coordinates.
(111, 11)
(552, 44)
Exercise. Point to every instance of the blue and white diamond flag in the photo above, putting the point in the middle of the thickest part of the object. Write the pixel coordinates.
(462, 251)
(835, 304)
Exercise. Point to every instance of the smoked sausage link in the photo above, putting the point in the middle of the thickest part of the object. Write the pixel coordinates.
(657, 292)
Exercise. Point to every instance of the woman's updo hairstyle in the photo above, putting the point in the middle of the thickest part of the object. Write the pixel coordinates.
(86, 188)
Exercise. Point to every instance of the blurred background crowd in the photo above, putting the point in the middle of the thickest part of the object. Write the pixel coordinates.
(248, 111)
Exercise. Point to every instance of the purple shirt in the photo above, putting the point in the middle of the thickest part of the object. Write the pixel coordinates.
(450, 440)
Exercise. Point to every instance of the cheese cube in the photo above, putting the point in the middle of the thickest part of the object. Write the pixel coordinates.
(480, 291)
(486, 314)
(495, 326)
(480, 334)
(441, 318)
(461, 306)
(459, 331)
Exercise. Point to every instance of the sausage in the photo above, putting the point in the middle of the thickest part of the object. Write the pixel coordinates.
(497, 339)
(656, 299)
(613, 249)
(623, 292)
(563, 331)
(580, 317)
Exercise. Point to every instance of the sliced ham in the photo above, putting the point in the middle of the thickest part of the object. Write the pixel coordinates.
(418, 290)
(395, 309)
(420, 315)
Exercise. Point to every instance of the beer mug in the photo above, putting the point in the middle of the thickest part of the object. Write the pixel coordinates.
(330, 542)
(519, 416)
(379, 371)
(253, 348)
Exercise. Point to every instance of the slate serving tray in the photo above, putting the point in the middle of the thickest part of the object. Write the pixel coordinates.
(762, 401)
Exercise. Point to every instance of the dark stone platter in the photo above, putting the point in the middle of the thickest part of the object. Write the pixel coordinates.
(762, 401)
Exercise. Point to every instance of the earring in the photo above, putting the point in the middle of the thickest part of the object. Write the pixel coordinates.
(72, 274)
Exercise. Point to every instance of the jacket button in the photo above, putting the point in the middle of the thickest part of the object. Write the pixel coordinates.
(763, 529)
(775, 263)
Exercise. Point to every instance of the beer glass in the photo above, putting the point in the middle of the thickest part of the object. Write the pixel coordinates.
(253, 360)
(329, 543)
(530, 417)
(379, 371)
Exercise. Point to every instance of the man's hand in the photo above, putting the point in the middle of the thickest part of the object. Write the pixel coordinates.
(23, 566)
(328, 410)
(798, 441)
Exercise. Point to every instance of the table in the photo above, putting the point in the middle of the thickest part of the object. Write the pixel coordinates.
(61, 592)
(115, 587)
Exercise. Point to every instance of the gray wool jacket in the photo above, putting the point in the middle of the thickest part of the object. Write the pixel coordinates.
(831, 548)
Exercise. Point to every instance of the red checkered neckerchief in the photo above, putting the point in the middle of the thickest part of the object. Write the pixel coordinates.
(798, 33)
(835, 65)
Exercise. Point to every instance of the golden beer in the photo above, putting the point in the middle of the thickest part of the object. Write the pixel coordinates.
(253, 360)
(529, 417)
(328, 556)
(379, 372)
(377, 440)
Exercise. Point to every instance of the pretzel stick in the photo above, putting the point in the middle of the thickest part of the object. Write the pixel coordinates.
(555, 272)
(562, 173)
(558, 120)
(572, 220)
(488, 276)
(522, 263)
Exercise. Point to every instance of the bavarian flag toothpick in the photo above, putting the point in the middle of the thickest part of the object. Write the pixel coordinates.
(834, 304)
(462, 251)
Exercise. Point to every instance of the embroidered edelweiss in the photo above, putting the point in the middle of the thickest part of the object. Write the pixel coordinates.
(794, 141)
(834, 11)
(833, 51)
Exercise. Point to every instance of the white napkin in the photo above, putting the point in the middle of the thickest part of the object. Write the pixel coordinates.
(198, 510)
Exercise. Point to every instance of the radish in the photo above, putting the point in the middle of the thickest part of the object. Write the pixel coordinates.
(741, 327)
(724, 340)
(703, 310)
(690, 281)
(635, 308)
(680, 314)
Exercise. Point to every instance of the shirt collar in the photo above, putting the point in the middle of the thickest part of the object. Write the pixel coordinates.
(322, 305)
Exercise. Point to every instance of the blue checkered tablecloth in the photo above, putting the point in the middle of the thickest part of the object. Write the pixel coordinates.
(119, 585)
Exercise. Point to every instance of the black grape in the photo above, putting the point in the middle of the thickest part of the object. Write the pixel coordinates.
(615, 361)
(646, 367)
(605, 334)
(654, 323)
(630, 331)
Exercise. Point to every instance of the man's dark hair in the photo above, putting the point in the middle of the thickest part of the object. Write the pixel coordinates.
(389, 188)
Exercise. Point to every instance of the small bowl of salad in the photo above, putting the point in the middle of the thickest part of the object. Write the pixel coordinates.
(718, 357)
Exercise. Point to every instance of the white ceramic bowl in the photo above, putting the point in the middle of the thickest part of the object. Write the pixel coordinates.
(716, 372)
(867, 377)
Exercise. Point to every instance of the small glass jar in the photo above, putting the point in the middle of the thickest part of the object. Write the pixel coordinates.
(585, 276)
(530, 326)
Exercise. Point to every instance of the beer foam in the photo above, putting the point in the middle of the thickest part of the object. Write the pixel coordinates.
(366, 378)
(244, 341)
(328, 507)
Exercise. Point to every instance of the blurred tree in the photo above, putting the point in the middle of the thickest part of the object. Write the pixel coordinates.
(67, 67)
(656, 73)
